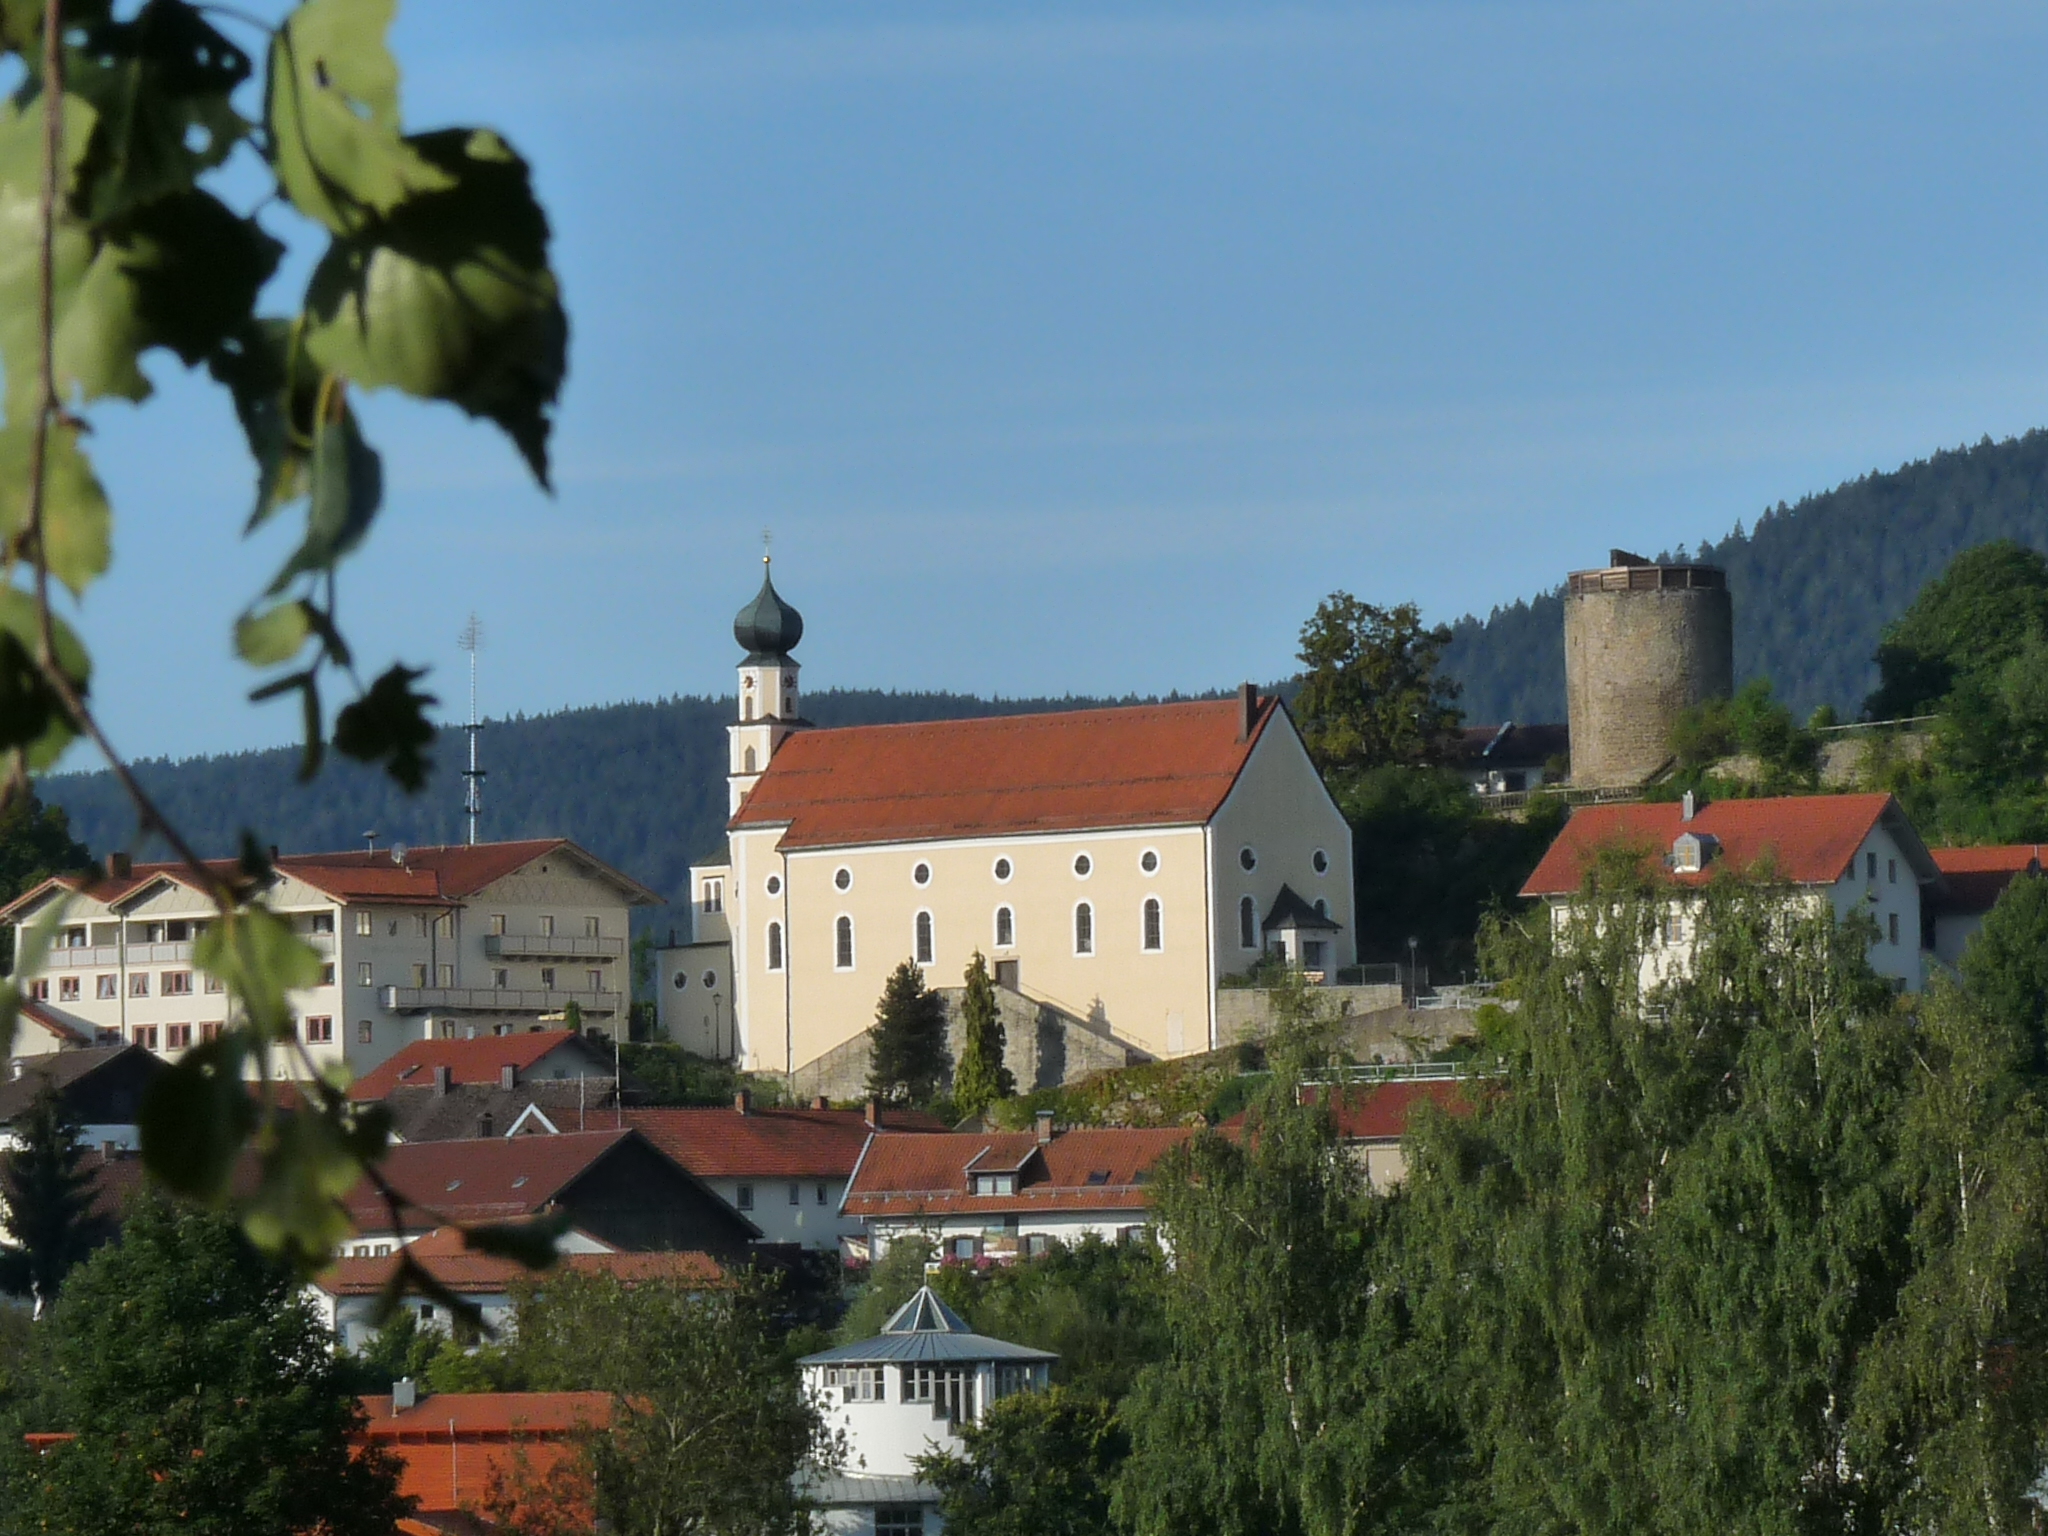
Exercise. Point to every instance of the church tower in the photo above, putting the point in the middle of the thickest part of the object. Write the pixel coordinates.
(767, 630)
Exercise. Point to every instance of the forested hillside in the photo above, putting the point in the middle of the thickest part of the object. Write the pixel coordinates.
(1813, 583)
(640, 785)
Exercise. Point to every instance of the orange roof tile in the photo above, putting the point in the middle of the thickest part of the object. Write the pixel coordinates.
(444, 1255)
(477, 1061)
(1380, 1111)
(1977, 877)
(429, 876)
(1151, 765)
(1085, 1169)
(452, 1444)
(719, 1143)
(1810, 838)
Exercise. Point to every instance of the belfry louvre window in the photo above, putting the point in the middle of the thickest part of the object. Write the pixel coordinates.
(842, 939)
(1084, 929)
(1152, 923)
(1248, 924)
(948, 1388)
(924, 938)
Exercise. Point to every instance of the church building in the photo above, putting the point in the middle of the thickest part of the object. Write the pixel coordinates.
(1112, 864)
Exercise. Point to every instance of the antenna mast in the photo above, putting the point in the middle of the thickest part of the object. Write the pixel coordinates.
(472, 636)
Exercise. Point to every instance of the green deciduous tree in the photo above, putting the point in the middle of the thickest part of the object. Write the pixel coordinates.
(1289, 1399)
(46, 1198)
(1038, 1464)
(205, 1396)
(907, 1043)
(980, 1079)
(1969, 621)
(709, 1423)
(1372, 693)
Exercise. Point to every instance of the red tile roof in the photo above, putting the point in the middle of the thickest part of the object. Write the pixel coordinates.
(475, 1061)
(1977, 877)
(722, 1143)
(1084, 1169)
(1152, 765)
(452, 1443)
(448, 1259)
(1380, 1111)
(499, 1178)
(1809, 837)
(429, 876)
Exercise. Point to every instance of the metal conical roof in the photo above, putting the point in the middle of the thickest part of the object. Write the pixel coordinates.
(925, 1313)
(768, 628)
(926, 1329)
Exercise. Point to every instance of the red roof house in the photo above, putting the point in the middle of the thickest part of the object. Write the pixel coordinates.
(549, 1055)
(463, 1451)
(1006, 1193)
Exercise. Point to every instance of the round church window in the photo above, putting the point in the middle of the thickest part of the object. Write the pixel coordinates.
(1083, 865)
(1148, 861)
(842, 878)
(710, 980)
(682, 981)
(774, 885)
(1247, 859)
(1002, 870)
(922, 875)
(1322, 862)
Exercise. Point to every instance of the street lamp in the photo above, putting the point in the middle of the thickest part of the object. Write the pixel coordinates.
(1414, 992)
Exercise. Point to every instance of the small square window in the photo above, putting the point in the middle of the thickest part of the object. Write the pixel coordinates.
(743, 1197)
(444, 975)
(363, 978)
(590, 927)
(138, 984)
(320, 1031)
(498, 923)
(209, 1031)
(547, 927)
(365, 1032)
(501, 977)
(547, 977)
(106, 986)
(327, 974)
(39, 989)
(67, 989)
(178, 1036)
(366, 923)
(215, 984)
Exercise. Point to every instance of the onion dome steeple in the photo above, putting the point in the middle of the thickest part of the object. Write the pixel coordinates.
(767, 628)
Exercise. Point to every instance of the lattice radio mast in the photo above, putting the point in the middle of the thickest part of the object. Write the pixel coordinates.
(470, 639)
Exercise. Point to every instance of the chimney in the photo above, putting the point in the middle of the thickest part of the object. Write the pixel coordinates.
(1247, 710)
(1045, 1127)
(508, 1077)
(743, 1101)
(874, 1114)
(404, 1394)
(444, 1079)
(1687, 807)
(821, 1102)
(119, 866)
(486, 1127)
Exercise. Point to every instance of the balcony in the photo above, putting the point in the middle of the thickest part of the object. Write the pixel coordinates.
(533, 946)
(499, 1000)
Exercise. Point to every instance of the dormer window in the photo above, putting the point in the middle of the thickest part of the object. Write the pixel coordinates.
(995, 1183)
(1691, 852)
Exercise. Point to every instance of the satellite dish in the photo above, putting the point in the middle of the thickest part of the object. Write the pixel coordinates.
(398, 852)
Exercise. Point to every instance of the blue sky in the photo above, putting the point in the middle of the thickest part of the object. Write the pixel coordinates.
(1085, 347)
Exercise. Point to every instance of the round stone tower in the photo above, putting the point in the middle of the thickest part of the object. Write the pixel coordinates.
(1642, 643)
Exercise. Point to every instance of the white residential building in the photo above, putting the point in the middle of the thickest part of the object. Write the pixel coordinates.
(414, 943)
(1844, 854)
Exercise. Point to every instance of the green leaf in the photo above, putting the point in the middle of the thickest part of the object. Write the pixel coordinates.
(307, 1164)
(197, 1115)
(32, 717)
(256, 956)
(274, 636)
(331, 105)
(346, 478)
(451, 297)
(389, 725)
(21, 24)
(275, 396)
(162, 85)
(77, 522)
(531, 1242)
(181, 272)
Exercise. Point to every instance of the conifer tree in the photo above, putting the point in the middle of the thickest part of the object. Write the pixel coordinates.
(981, 1077)
(907, 1043)
(46, 1202)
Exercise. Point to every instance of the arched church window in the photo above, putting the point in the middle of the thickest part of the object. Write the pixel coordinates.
(924, 938)
(750, 760)
(1152, 923)
(1084, 929)
(1006, 928)
(775, 946)
(1248, 924)
(842, 956)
